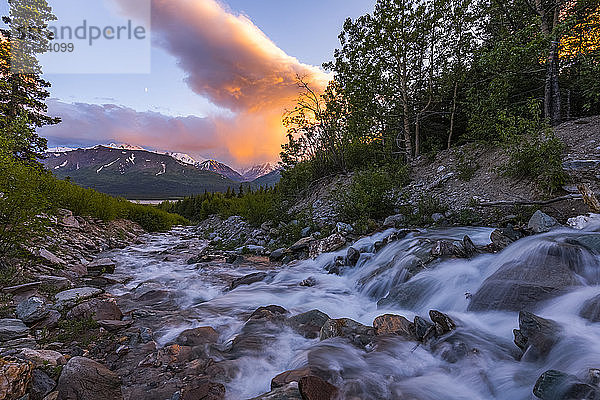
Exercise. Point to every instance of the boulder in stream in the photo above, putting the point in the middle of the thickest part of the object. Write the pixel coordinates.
(517, 286)
(308, 324)
(536, 335)
(357, 333)
(541, 222)
(557, 385)
(390, 324)
(248, 280)
(591, 309)
(315, 388)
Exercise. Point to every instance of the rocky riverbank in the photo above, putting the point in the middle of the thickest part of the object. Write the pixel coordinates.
(186, 315)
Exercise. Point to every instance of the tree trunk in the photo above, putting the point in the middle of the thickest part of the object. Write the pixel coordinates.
(552, 89)
(452, 115)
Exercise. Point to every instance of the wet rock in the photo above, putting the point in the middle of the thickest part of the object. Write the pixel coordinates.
(70, 297)
(288, 392)
(308, 324)
(309, 282)
(590, 242)
(197, 336)
(203, 391)
(101, 266)
(357, 333)
(327, 245)
(41, 358)
(503, 237)
(31, 310)
(269, 312)
(394, 221)
(15, 377)
(97, 309)
(424, 330)
(277, 255)
(519, 286)
(85, 379)
(556, 385)
(287, 377)
(536, 336)
(390, 324)
(591, 310)
(248, 280)
(405, 295)
(352, 256)
(445, 248)
(11, 329)
(541, 222)
(469, 247)
(41, 385)
(443, 323)
(301, 244)
(315, 388)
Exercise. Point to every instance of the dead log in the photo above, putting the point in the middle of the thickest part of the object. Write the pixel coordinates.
(530, 202)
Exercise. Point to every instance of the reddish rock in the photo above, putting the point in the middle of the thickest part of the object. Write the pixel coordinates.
(197, 336)
(204, 391)
(314, 388)
(288, 377)
(390, 324)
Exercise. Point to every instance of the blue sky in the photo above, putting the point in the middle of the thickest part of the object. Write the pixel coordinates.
(230, 66)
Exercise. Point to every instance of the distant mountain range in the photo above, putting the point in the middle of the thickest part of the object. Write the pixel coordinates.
(137, 173)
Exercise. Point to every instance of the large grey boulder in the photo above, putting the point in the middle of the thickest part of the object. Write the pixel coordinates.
(556, 385)
(517, 286)
(31, 310)
(591, 309)
(541, 222)
(11, 329)
(85, 379)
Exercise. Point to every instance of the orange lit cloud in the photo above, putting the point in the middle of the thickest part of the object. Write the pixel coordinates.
(230, 61)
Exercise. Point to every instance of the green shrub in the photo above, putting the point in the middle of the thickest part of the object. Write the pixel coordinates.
(538, 157)
(371, 194)
(255, 206)
(23, 200)
(426, 207)
(466, 167)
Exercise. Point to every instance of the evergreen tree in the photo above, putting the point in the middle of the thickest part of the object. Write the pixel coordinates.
(22, 90)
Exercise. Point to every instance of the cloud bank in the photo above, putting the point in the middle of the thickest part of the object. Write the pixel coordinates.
(90, 124)
(228, 60)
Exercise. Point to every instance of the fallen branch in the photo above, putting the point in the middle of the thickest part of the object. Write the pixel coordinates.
(531, 202)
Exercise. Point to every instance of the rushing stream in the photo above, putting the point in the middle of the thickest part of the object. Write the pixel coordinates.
(174, 296)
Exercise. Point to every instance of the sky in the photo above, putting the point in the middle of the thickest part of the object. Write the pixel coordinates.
(219, 75)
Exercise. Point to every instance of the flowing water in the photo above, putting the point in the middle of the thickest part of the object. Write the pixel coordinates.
(178, 296)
